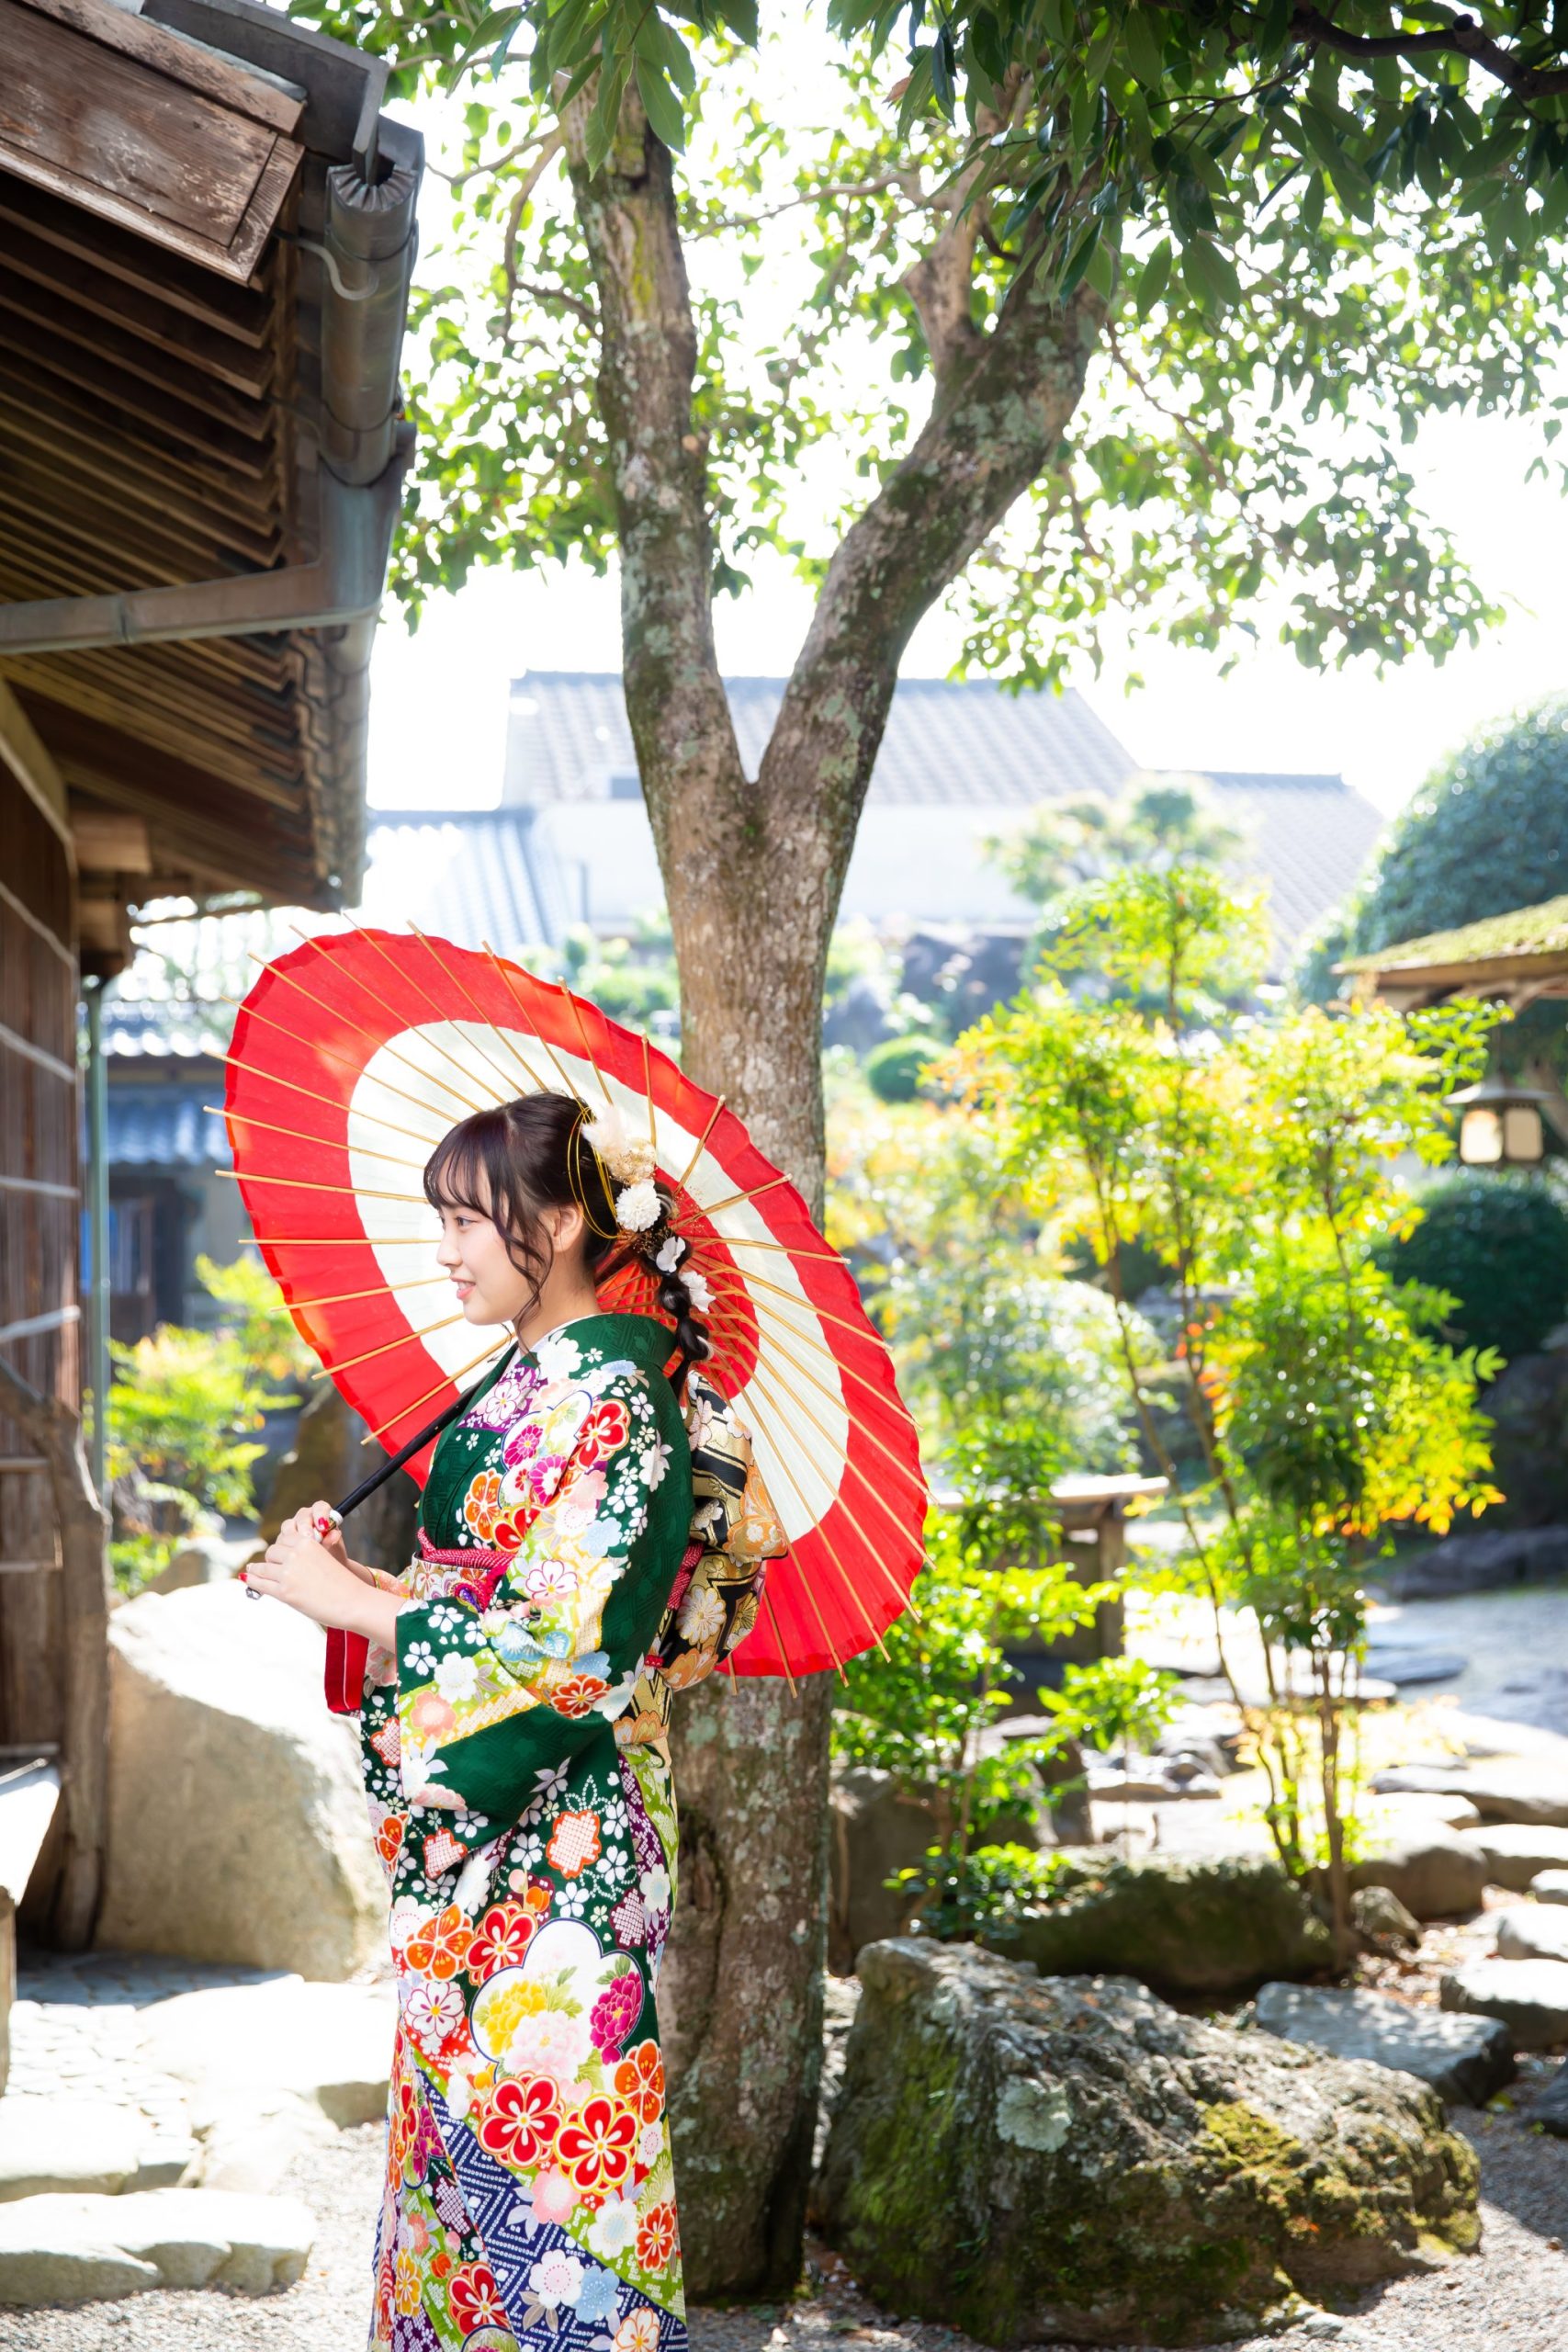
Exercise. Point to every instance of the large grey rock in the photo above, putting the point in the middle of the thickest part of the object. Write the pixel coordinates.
(1410, 1809)
(876, 1830)
(1049, 2161)
(1530, 1997)
(1486, 1562)
(1532, 1931)
(1514, 1854)
(1519, 1789)
(71, 2249)
(1550, 1886)
(1436, 1872)
(1204, 1924)
(206, 1559)
(1377, 1913)
(1551, 2108)
(237, 1828)
(1464, 2059)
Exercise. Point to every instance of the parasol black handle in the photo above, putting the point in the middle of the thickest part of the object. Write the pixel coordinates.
(379, 1477)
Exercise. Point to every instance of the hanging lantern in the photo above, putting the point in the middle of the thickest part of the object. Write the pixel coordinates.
(1500, 1124)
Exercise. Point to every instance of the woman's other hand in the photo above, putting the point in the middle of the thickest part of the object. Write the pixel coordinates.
(318, 1523)
(316, 1579)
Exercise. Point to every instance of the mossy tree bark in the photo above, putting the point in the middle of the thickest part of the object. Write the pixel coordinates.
(753, 867)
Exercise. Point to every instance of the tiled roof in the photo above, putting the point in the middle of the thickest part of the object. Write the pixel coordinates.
(1308, 835)
(165, 1126)
(946, 742)
(467, 876)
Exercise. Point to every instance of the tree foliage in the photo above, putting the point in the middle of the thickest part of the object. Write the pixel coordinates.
(1285, 245)
(1166, 820)
(1259, 1162)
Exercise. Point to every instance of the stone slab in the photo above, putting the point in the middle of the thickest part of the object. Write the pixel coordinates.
(1550, 1886)
(1465, 2059)
(1438, 1873)
(1530, 1996)
(60, 2248)
(66, 2144)
(1517, 1852)
(328, 2044)
(1532, 1931)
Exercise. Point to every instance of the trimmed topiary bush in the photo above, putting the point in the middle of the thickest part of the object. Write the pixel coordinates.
(894, 1070)
(1500, 1244)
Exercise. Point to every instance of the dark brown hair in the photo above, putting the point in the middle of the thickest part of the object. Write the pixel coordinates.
(514, 1162)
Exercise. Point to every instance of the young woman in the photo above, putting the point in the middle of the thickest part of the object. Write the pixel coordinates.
(517, 1766)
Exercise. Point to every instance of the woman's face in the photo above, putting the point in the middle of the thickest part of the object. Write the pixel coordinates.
(491, 1288)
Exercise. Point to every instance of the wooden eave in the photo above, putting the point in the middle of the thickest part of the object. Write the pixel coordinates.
(162, 416)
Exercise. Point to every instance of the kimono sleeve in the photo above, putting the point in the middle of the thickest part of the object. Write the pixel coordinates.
(489, 1699)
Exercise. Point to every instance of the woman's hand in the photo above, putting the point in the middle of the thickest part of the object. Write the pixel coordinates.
(318, 1523)
(308, 1574)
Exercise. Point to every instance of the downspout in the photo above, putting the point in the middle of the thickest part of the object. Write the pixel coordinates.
(98, 1188)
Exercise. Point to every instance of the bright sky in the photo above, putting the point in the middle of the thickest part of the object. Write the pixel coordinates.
(438, 707)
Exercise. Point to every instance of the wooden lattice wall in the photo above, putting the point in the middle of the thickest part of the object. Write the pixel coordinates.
(40, 1214)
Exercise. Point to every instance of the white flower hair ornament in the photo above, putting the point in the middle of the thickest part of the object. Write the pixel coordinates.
(637, 1207)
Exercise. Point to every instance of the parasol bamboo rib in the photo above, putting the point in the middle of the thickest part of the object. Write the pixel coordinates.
(903, 1467)
(358, 1068)
(502, 1037)
(778, 1636)
(383, 1045)
(349, 1241)
(299, 1135)
(377, 998)
(798, 1299)
(848, 1463)
(449, 1379)
(535, 1031)
(270, 1078)
(582, 1032)
(431, 1006)
(701, 1144)
(710, 1209)
(785, 1248)
(509, 1083)
(353, 1192)
(816, 1612)
(844, 1577)
(346, 1364)
(648, 1096)
(376, 1290)
(878, 1563)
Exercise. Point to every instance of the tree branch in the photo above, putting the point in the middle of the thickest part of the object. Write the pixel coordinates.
(1463, 39)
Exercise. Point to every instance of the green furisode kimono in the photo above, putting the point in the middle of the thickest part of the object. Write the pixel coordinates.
(520, 1793)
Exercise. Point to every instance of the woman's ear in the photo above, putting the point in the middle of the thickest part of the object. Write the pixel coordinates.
(568, 1227)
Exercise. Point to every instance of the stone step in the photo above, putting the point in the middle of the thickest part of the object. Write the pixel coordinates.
(1517, 1852)
(70, 2249)
(84, 2144)
(1465, 2059)
(1530, 1996)
(1532, 1931)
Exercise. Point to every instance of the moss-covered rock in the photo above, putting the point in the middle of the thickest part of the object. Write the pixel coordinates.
(1219, 1925)
(1050, 2160)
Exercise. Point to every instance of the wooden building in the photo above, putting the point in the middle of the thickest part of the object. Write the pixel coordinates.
(207, 234)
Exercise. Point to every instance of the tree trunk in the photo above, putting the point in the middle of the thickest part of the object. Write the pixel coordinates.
(56, 1430)
(753, 869)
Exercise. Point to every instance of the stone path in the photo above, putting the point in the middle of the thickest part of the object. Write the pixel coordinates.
(1512, 2297)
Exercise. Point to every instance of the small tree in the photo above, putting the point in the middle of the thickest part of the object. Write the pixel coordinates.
(1165, 821)
(1257, 1160)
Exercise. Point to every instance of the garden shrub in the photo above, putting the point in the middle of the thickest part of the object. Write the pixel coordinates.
(894, 1070)
(1497, 1242)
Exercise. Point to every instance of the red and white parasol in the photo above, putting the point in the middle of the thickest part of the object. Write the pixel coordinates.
(352, 1057)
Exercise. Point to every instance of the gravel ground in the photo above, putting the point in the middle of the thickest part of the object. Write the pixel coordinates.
(1512, 2297)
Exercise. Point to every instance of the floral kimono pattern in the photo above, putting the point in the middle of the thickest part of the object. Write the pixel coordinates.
(521, 1800)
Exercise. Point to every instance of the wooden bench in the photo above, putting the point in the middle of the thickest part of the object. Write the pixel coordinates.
(30, 1793)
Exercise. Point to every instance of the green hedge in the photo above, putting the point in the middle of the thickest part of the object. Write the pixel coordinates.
(1499, 1243)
